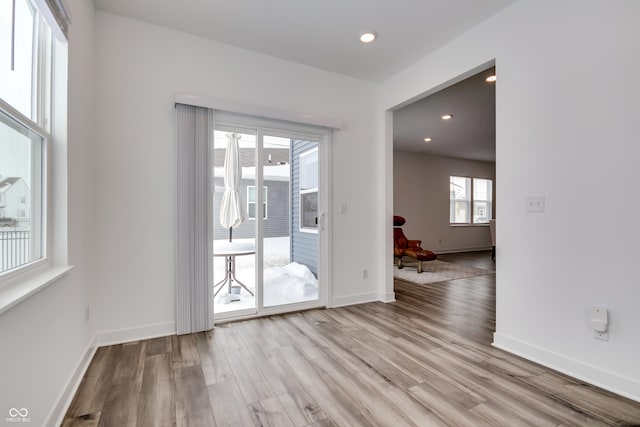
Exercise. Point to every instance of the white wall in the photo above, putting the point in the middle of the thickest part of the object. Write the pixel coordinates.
(567, 129)
(45, 338)
(421, 196)
(140, 67)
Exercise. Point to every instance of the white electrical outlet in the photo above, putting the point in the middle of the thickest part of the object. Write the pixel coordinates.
(365, 273)
(343, 207)
(599, 320)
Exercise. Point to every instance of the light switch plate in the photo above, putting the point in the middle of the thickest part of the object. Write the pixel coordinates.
(535, 204)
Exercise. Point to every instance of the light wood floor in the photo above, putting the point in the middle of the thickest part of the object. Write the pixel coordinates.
(423, 360)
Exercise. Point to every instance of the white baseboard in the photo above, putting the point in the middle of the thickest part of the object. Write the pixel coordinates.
(387, 297)
(354, 299)
(460, 250)
(615, 383)
(135, 334)
(64, 400)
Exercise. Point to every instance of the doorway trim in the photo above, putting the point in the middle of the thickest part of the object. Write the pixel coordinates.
(387, 167)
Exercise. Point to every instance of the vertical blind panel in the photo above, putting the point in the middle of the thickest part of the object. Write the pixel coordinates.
(193, 270)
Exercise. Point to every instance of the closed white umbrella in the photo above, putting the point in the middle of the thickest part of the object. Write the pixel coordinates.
(232, 211)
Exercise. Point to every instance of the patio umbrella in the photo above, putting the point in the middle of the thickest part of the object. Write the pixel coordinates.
(232, 211)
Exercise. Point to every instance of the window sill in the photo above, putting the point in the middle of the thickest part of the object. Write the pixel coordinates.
(17, 290)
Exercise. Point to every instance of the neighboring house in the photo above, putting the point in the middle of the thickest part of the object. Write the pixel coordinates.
(282, 196)
(304, 241)
(277, 209)
(15, 199)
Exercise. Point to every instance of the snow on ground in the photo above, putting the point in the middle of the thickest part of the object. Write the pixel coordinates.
(284, 282)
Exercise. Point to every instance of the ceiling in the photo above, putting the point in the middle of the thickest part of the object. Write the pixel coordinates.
(470, 134)
(323, 34)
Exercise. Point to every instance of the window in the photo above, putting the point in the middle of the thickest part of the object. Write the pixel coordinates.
(470, 200)
(482, 197)
(26, 47)
(309, 191)
(251, 202)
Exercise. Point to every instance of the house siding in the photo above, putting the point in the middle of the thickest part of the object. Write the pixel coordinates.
(304, 246)
(277, 222)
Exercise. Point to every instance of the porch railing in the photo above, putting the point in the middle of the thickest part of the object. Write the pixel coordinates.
(14, 249)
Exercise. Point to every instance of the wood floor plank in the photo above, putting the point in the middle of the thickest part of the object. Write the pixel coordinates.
(371, 404)
(301, 408)
(270, 413)
(193, 406)
(424, 360)
(157, 401)
(184, 351)
(323, 423)
(414, 412)
(324, 334)
(297, 336)
(214, 362)
(498, 416)
(252, 383)
(121, 405)
(90, 420)
(323, 390)
(158, 346)
(130, 364)
(228, 406)
(450, 412)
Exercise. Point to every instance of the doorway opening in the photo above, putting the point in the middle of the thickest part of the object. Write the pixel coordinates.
(268, 241)
(446, 138)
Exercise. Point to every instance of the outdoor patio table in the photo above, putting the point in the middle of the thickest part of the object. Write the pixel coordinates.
(230, 250)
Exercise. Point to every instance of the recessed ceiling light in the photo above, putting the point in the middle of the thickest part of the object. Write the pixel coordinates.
(368, 37)
(447, 117)
(491, 79)
(427, 140)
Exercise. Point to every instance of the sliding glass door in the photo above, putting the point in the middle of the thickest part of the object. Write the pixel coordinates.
(268, 260)
(290, 234)
(234, 229)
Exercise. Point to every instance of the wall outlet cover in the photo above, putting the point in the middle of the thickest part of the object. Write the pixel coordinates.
(535, 204)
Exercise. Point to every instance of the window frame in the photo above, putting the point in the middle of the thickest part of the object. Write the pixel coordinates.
(45, 183)
(40, 124)
(471, 202)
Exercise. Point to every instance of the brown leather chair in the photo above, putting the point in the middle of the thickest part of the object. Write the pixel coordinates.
(404, 247)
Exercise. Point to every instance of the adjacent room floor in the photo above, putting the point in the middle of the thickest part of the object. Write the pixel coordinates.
(423, 360)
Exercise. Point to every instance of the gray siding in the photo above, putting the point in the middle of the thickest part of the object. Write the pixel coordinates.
(277, 222)
(304, 246)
